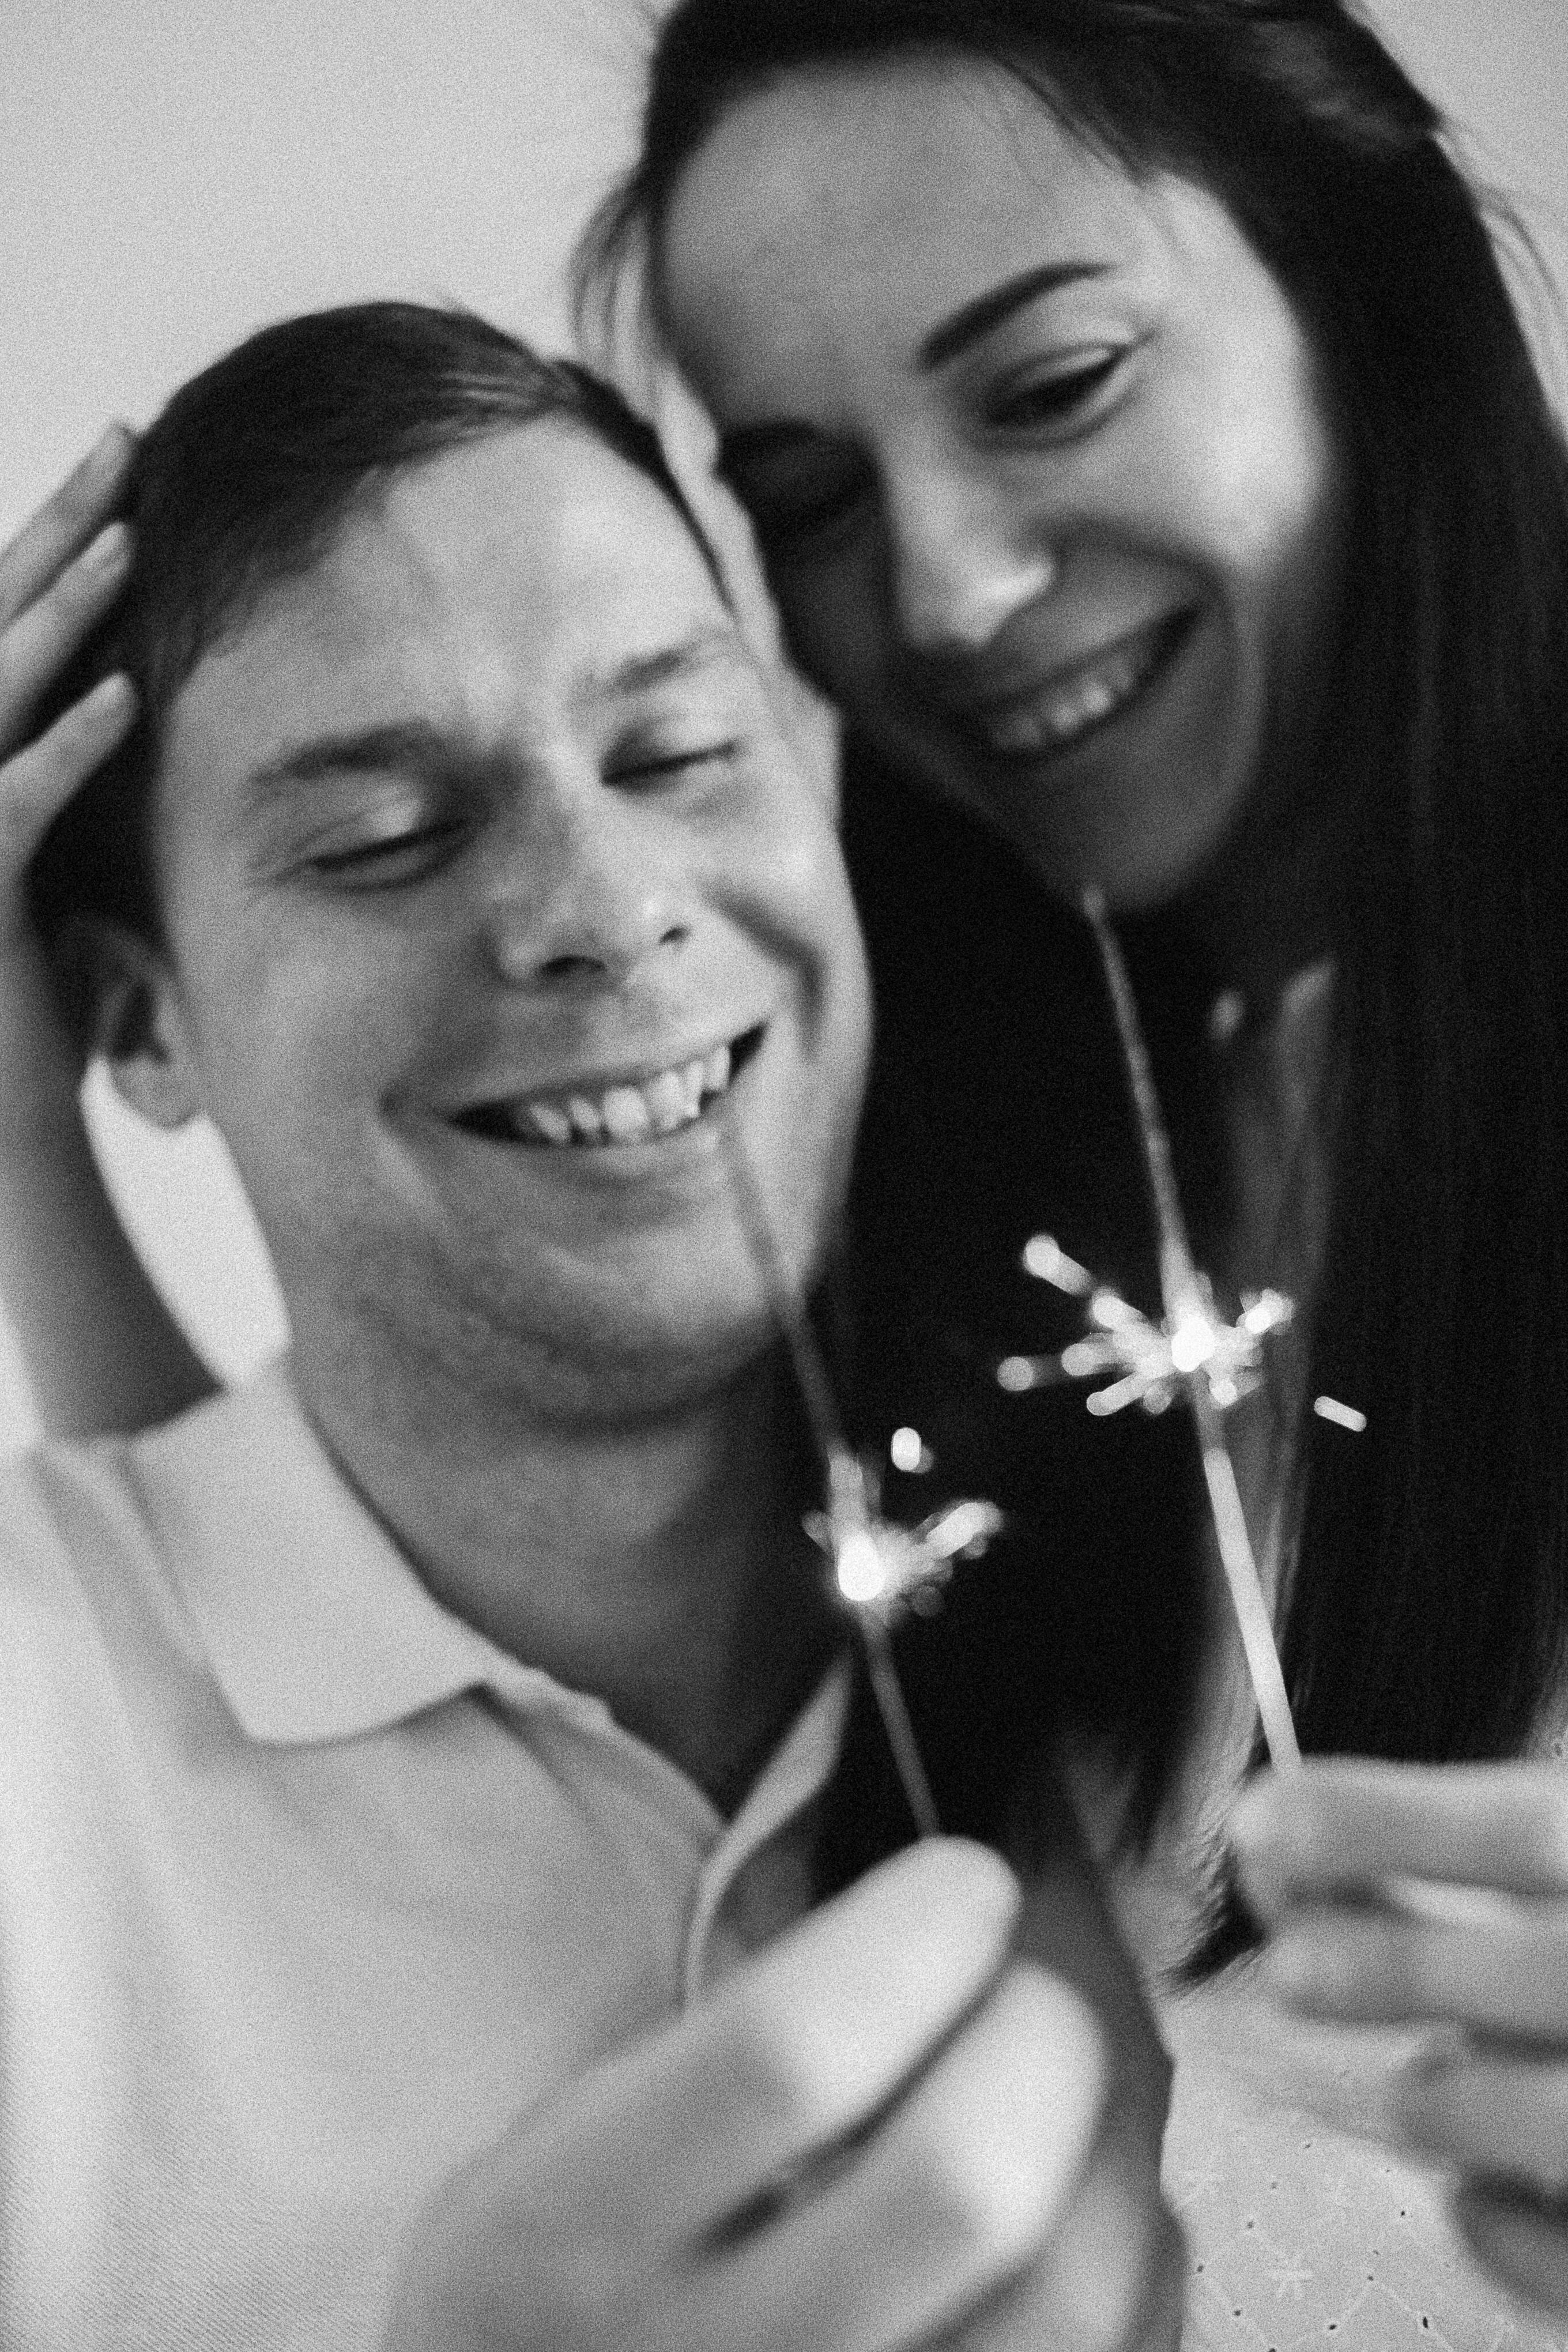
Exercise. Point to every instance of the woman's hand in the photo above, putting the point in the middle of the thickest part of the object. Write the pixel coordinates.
(1439, 1894)
(886, 2131)
(58, 579)
(97, 1341)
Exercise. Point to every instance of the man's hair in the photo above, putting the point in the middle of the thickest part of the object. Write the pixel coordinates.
(242, 483)
(1428, 1610)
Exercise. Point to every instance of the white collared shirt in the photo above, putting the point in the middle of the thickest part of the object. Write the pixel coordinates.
(306, 1889)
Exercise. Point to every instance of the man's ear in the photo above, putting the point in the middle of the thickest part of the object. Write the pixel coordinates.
(130, 1011)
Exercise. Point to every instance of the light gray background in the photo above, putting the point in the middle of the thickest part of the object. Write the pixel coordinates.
(174, 173)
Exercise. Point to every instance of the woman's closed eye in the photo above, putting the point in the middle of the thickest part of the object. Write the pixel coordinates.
(1054, 396)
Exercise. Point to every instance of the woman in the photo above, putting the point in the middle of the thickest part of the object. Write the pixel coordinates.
(1178, 494)
(1146, 457)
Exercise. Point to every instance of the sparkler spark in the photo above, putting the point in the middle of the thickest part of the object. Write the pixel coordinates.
(1191, 1354)
(1152, 1361)
(879, 1569)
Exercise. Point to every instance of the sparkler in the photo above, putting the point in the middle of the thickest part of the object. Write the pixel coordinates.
(1192, 1353)
(880, 1569)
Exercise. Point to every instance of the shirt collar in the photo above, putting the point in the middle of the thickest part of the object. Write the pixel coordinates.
(315, 1626)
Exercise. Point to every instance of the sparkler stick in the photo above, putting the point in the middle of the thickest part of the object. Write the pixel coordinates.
(863, 1567)
(1190, 1328)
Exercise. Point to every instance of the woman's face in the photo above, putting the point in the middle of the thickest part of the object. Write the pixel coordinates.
(1036, 453)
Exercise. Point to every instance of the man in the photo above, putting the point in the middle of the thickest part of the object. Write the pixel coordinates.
(388, 1743)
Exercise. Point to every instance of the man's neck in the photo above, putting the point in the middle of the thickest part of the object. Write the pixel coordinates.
(660, 1565)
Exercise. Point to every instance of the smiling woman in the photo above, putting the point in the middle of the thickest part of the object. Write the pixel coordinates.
(1160, 498)
(1148, 461)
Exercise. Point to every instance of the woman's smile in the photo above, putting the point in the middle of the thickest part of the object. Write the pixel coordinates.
(1080, 700)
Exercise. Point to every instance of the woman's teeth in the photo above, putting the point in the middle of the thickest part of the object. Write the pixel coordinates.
(1060, 713)
(625, 1114)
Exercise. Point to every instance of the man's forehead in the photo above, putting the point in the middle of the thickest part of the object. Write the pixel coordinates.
(533, 561)
(547, 509)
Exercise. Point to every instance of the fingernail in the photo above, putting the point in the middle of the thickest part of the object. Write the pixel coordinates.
(1295, 1969)
(113, 699)
(1263, 1815)
(108, 552)
(108, 445)
(1415, 2098)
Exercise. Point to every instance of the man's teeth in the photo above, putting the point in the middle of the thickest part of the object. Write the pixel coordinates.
(1062, 712)
(625, 1114)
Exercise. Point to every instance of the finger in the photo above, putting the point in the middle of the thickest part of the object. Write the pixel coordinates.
(1119, 2302)
(790, 2055)
(66, 523)
(1115, 2271)
(1490, 2113)
(959, 2191)
(1507, 1976)
(37, 782)
(41, 640)
(1523, 2241)
(1066, 1927)
(1340, 1824)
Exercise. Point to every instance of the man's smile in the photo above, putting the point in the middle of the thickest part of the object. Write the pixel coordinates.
(628, 1111)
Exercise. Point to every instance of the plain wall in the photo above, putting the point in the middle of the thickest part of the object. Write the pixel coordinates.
(172, 175)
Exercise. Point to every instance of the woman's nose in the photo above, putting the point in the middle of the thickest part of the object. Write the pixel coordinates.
(588, 899)
(963, 562)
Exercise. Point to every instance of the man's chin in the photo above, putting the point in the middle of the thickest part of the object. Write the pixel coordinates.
(631, 1388)
(623, 1371)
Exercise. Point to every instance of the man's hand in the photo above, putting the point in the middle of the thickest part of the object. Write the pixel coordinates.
(885, 2132)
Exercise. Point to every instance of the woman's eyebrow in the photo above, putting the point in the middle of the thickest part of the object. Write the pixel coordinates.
(989, 310)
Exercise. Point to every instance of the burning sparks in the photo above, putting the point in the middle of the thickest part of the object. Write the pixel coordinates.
(879, 1565)
(880, 1570)
(1191, 1354)
(1152, 1362)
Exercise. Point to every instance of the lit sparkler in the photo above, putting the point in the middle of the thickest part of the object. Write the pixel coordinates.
(880, 1569)
(1192, 1353)
(1153, 1363)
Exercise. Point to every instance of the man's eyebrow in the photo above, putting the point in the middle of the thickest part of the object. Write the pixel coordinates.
(989, 310)
(410, 745)
(414, 747)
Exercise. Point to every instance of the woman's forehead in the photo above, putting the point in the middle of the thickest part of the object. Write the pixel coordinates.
(807, 221)
(863, 135)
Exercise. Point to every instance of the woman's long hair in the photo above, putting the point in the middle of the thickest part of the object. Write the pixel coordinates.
(1426, 1615)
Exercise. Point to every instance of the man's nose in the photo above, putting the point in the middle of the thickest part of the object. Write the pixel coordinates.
(586, 898)
(963, 559)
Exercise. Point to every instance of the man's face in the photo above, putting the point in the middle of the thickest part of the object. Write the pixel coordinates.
(493, 893)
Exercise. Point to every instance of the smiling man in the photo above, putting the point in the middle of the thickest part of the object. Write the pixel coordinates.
(387, 1744)
(484, 874)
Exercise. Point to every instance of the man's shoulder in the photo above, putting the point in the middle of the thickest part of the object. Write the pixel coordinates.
(74, 1516)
